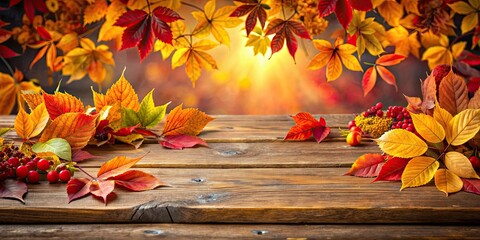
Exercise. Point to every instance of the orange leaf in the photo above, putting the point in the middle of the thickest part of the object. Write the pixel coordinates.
(39, 117)
(387, 76)
(23, 124)
(77, 188)
(99, 100)
(123, 92)
(39, 55)
(306, 126)
(95, 12)
(188, 121)
(304, 118)
(390, 59)
(137, 180)
(32, 99)
(299, 132)
(61, 103)
(102, 188)
(368, 165)
(76, 128)
(116, 166)
(453, 93)
(368, 80)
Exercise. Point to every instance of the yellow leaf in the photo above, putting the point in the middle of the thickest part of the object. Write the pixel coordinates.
(463, 127)
(447, 182)
(411, 6)
(437, 55)
(366, 31)
(40, 119)
(442, 116)
(68, 42)
(458, 48)
(133, 139)
(469, 22)
(460, 165)
(401, 143)
(334, 68)
(7, 93)
(108, 31)
(95, 12)
(461, 7)
(122, 92)
(403, 42)
(391, 11)
(32, 98)
(453, 93)
(258, 41)
(23, 124)
(428, 127)
(419, 171)
(76, 128)
(188, 121)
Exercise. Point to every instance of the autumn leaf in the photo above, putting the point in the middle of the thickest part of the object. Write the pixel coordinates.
(102, 188)
(195, 58)
(447, 182)
(460, 165)
(120, 92)
(443, 53)
(392, 170)
(370, 77)
(255, 10)
(474, 102)
(401, 143)
(428, 127)
(419, 171)
(11, 188)
(30, 7)
(285, 30)
(180, 142)
(334, 57)
(137, 180)
(258, 41)
(463, 127)
(342, 9)
(76, 128)
(88, 59)
(367, 165)
(391, 11)
(95, 12)
(60, 103)
(471, 185)
(108, 31)
(47, 48)
(32, 98)
(442, 116)
(81, 155)
(148, 114)
(68, 42)
(429, 93)
(453, 93)
(11, 90)
(470, 10)
(23, 124)
(404, 42)
(306, 126)
(367, 33)
(57, 146)
(77, 188)
(188, 121)
(211, 21)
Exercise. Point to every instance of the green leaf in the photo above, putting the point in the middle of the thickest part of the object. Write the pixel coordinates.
(148, 114)
(129, 117)
(4, 130)
(58, 146)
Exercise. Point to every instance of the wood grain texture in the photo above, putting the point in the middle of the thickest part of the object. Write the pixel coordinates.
(268, 195)
(237, 231)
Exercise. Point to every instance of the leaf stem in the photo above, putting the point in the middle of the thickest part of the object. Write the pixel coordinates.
(8, 66)
(148, 5)
(90, 31)
(460, 37)
(86, 173)
(369, 63)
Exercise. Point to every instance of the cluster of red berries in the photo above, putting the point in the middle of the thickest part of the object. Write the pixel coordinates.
(14, 163)
(375, 110)
(401, 118)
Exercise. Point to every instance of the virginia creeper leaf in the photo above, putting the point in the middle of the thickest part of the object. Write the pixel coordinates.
(116, 166)
(182, 141)
(10, 188)
(102, 188)
(137, 180)
(58, 146)
(306, 126)
(286, 31)
(401, 143)
(419, 171)
(256, 11)
(367, 165)
(369, 79)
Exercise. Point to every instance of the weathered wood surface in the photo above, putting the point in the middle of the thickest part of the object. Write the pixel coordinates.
(250, 175)
(230, 231)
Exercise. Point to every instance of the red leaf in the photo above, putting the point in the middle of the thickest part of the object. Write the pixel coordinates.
(368, 80)
(146, 132)
(392, 169)
(77, 188)
(166, 15)
(469, 58)
(362, 5)
(162, 16)
(390, 59)
(44, 33)
(320, 133)
(126, 130)
(256, 11)
(61, 103)
(102, 188)
(299, 132)
(182, 141)
(10, 188)
(387, 76)
(286, 30)
(80, 155)
(325, 7)
(30, 6)
(344, 12)
(6, 52)
(473, 84)
(137, 180)
(471, 185)
(306, 125)
(368, 165)
(304, 118)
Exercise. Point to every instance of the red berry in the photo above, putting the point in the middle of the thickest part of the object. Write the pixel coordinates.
(399, 117)
(33, 176)
(365, 114)
(475, 162)
(43, 164)
(22, 172)
(52, 176)
(31, 165)
(354, 138)
(379, 113)
(410, 129)
(14, 161)
(351, 124)
(65, 175)
(355, 129)
(379, 105)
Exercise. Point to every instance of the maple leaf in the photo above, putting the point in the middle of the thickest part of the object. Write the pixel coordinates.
(306, 126)
(195, 59)
(47, 48)
(368, 34)
(15, 189)
(141, 28)
(88, 59)
(211, 21)
(285, 30)
(333, 57)
(370, 76)
(470, 10)
(113, 172)
(11, 89)
(367, 165)
(188, 121)
(95, 12)
(258, 41)
(255, 10)
(343, 9)
(404, 42)
(30, 6)
(180, 142)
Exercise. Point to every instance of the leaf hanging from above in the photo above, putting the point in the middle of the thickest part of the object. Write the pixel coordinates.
(401, 143)
(258, 41)
(255, 10)
(419, 171)
(95, 12)
(343, 9)
(188, 121)
(285, 30)
(367, 165)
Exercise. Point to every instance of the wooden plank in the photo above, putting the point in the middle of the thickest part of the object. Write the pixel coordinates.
(241, 128)
(295, 195)
(238, 155)
(237, 231)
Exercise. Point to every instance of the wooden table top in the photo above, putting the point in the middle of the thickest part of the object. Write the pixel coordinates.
(249, 183)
